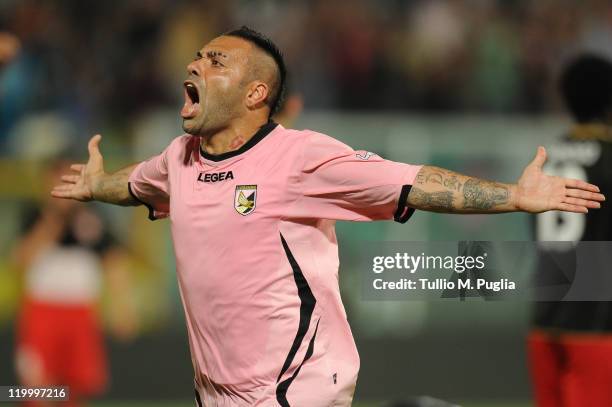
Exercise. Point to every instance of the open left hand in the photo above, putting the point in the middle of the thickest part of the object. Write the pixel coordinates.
(81, 186)
(537, 192)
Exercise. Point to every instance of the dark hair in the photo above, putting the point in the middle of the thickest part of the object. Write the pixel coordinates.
(586, 85)
(266, 45)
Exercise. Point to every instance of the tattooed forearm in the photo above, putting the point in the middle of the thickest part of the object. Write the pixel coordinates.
(113, 188)
(440, 190)
(453, 183)
(433, 201)
(433, 177)
(479, 194)
(440, 176)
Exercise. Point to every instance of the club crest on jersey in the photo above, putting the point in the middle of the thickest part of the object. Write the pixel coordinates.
(245, 198)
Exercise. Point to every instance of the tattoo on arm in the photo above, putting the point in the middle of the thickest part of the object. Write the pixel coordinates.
(434, 201)
(479, 194)
(439, 190)
(453, 183)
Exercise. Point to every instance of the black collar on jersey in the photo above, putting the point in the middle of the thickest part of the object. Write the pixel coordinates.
(261, 133)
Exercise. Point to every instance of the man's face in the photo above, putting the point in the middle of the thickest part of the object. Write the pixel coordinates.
(215, 88)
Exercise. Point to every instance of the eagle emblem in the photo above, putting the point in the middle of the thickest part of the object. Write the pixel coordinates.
(245, 198)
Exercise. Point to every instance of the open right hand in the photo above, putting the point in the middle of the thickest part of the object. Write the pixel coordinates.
(538, 192)
(81, 187)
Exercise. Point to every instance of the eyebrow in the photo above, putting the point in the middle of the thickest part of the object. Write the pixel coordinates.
(212, 54)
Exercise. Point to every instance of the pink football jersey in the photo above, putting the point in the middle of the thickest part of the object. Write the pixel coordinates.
(257, 259)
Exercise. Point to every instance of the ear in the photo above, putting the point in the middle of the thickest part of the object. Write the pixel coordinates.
(258, 93)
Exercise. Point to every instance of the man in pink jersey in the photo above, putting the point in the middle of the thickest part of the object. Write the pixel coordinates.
(252, 207)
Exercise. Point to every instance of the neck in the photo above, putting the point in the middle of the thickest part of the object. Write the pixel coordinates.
(230, 138)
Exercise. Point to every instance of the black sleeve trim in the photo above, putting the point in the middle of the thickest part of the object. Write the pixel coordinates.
(197, 397)
(149, 207)
(403, 212)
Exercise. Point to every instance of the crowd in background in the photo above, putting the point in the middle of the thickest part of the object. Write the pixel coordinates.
(92, 65)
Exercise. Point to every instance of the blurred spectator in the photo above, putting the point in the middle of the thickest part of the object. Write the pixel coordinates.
(570, 344)
(62, 253)
(9, 46)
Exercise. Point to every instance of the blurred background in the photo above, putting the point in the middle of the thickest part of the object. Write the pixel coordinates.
(465, 84)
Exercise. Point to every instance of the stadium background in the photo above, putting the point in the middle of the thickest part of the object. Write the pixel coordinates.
(464, 84)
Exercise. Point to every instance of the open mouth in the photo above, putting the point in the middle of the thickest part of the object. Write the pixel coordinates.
(192, 92)
(192, 101)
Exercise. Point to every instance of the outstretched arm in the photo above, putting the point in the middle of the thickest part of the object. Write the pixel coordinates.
(92, 183)
(440, 190)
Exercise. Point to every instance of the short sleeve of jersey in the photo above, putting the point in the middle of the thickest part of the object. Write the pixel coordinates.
(340, 183)
(149, 184)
